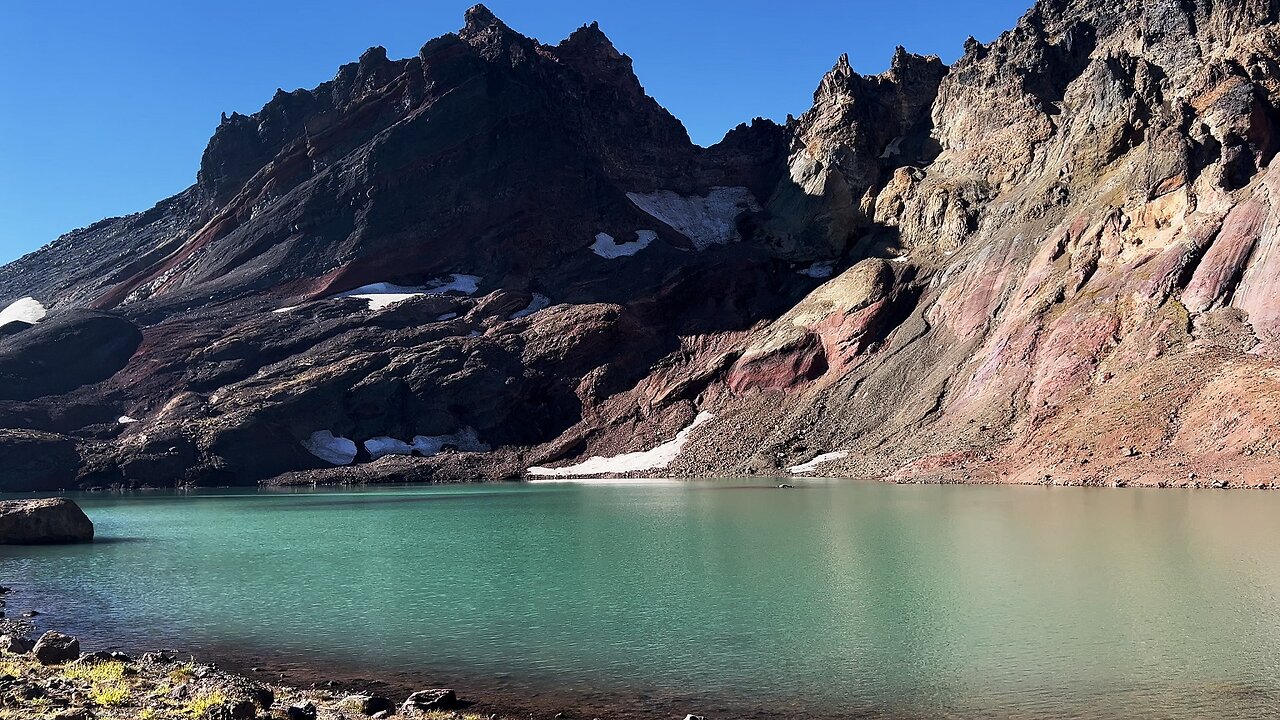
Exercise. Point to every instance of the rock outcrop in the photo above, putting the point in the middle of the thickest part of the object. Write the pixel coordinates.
(41, 522)
(54, 648)
(1049, 262)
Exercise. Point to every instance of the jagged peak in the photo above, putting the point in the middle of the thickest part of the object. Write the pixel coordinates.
(478, 17)
(494, 38)
(588, 41)
(377, 53)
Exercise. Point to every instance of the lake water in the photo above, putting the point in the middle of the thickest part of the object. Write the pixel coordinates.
(732, 598)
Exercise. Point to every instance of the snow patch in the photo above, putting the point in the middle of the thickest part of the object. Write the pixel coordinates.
(820, 270)
(384, 294)
(900, 259)
(893, 148)
(457, 282)
(126, 420)
(466, 440)
(654, 459)
(383, 446)
(814, 463)
(446, 316)
(27, 310)
(286, 309)
(334, 450)
(607, 481)
(705, 220)
(539, 302)
(608, 248)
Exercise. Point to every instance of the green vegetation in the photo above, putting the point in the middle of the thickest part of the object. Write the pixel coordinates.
(201, 703)
(95, 672)
(110, 695)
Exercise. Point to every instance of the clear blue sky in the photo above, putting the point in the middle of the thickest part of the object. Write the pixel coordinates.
(105, 107)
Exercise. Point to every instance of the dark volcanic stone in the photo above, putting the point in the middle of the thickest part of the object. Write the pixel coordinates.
(76, 348)
(438, 699)
(39, 522)
(32, 460)
(16, 645)
(54, 648)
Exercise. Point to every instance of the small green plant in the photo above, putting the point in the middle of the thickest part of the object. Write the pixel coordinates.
(109, 695)
(107, 672)
(199, 704)
(148, 714)
(182, 673)
(15, 669)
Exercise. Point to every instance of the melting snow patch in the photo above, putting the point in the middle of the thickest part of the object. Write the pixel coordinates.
(606, 247)
(706, 221)
(465, 284)
(814, 463)
(819, 270)
(609, 481)
(539, 302)
(446, 316)
(465, 440)
(335, 450)
(900, 259)
(285, 309)
(27, 310)
(382, 446)
(126, 420)
(655, 459)
(383, 294)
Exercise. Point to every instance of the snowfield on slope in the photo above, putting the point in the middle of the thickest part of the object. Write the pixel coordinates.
(653, 459)
(333, 450)
(705, 220)
(27, 310)
(608, 248)
(814, 463)
(384, 294)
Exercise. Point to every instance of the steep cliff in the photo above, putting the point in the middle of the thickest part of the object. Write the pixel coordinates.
(1049, 262)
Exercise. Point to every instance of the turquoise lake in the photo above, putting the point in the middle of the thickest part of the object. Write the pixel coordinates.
(730, 598)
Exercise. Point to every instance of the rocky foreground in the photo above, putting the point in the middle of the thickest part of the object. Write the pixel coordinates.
(1053, 261)
(51, 679)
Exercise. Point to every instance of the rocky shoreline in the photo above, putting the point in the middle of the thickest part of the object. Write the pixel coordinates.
(51, 678)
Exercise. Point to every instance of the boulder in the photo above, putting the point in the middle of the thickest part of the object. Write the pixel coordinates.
(54, 648)
(47, 521)
(305, 711)
(437, 699)
(15, 645)
(369, 704)
(243, 710)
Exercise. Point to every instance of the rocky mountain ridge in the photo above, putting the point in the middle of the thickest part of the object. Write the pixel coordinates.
(1049, 262)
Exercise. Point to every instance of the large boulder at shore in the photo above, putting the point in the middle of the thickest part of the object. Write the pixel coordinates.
(429, 700)
(54, 648)
(37, 522)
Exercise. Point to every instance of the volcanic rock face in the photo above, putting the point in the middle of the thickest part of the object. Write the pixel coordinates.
(1049, 262)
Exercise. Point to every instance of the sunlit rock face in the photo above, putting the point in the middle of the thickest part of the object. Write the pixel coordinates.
(1049, 262)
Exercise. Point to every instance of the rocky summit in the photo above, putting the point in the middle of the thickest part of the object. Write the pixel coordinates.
(1050, 262)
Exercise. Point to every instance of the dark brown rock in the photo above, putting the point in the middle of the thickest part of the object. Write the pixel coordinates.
(36, 522)
(54, 648)
(424, 700)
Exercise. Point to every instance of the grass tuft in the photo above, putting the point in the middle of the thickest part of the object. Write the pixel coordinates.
(109, 695)
(198, 705)
(107, 672)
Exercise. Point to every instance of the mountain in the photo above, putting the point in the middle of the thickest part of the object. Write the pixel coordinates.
(1050, 262)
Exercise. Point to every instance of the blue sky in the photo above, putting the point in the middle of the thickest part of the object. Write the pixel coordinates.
(105, 107)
